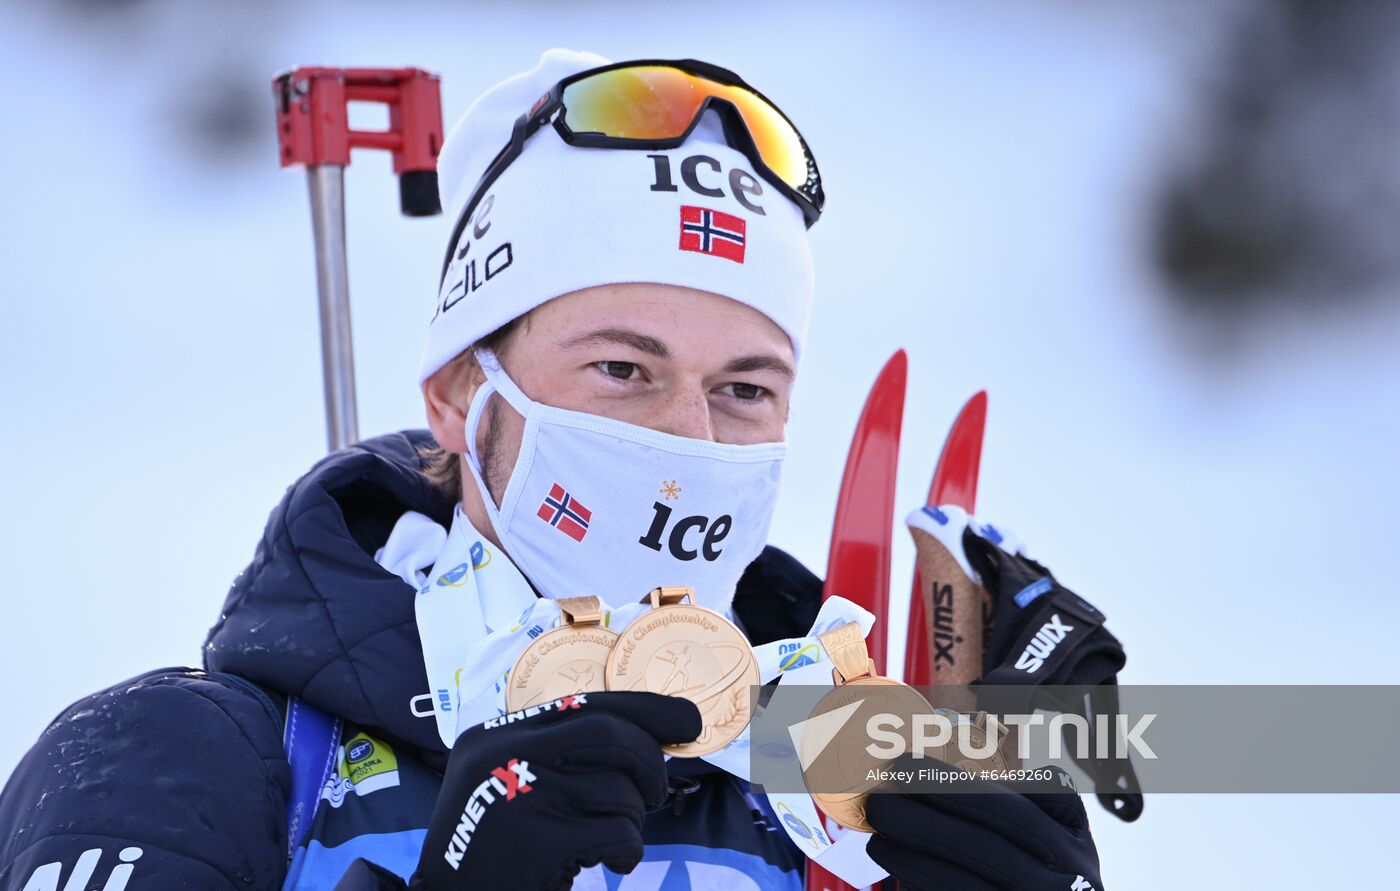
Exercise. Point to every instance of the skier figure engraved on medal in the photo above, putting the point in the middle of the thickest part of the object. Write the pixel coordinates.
(677, 683)
(679, 649)
(566, 660)
(581, 677)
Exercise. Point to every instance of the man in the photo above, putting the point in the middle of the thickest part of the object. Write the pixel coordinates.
(606, 379)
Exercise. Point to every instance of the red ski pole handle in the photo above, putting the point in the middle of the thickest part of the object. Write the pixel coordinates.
(313, 125)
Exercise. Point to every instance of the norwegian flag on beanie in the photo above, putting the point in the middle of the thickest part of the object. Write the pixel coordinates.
(712, 232)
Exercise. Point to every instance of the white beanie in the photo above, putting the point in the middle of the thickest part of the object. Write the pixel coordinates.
(561, 218)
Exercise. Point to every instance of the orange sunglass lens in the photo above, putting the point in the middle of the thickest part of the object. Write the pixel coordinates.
(649, 102)
(659, 102)
(777, 142)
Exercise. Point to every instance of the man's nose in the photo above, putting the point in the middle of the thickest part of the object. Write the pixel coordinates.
(684, 413)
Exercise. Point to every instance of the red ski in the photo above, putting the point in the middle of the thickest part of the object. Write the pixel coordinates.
(858, 565)
(954, 482)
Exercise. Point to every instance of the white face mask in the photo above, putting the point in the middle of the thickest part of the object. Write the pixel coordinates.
(597, 506)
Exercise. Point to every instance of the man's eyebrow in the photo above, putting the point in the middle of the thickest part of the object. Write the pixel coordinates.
(760, 363)
(652, 347)
(623, 337)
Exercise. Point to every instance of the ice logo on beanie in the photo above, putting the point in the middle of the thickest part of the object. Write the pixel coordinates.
(464, 273)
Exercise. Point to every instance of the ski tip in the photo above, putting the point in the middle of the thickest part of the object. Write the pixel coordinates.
(885, 404)
(959, 465)
(897, 364)
(975, 406)
(971, 419)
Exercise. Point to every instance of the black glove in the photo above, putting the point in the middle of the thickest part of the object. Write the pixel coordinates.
(1041, 632)
(1043, 635)
(527, 803)
(984, 836)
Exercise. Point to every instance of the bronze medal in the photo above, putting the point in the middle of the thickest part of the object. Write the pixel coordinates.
(566, 660)
(680, 649)
(843, 762)
(976, 734)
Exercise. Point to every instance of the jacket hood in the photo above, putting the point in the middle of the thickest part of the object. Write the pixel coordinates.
(313, 616)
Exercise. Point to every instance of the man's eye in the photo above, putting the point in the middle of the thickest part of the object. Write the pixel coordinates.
(746, 392)
(623, 371)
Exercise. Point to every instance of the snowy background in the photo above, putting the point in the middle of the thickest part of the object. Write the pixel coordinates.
(1162, 235)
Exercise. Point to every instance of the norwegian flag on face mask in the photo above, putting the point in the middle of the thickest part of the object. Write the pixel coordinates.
(562, 511)
(713, 232)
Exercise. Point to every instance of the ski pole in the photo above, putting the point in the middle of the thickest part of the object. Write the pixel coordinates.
(946, 609)
(313, 131)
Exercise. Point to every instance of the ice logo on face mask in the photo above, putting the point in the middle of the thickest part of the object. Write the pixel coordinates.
(709, 535)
